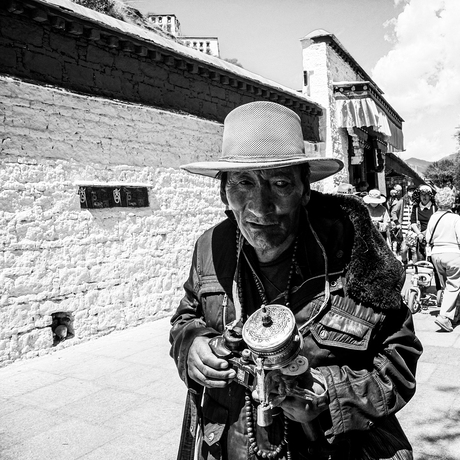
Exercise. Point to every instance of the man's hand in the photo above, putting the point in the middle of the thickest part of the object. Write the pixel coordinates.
(205, 367)
(304, 395)
(301, 411)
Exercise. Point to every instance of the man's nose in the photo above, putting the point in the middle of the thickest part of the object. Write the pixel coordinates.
(261, 201)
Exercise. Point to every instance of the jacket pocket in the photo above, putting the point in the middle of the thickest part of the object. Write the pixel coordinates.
(339, 329)
(215, 304)
(214, 422)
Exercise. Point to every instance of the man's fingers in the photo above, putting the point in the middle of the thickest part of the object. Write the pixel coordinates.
(214, 374)
(206, 368)
(211, 378)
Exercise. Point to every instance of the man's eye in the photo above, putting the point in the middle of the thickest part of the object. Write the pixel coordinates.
(281, 183)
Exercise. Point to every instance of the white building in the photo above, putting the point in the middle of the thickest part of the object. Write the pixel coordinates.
(171, 25)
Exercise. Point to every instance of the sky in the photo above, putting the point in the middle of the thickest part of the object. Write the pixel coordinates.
(410, 48)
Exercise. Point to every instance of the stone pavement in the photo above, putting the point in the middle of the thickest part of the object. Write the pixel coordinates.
(119, 398)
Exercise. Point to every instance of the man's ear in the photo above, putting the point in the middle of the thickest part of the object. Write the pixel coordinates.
(223, 194)
(306, 194)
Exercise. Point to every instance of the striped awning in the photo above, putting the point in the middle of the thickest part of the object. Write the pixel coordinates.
(364, 112)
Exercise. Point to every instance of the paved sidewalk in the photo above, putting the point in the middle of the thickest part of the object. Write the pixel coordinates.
(119, 398)
(114, 398)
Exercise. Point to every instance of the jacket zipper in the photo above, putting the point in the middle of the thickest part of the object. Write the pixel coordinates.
(224, 311)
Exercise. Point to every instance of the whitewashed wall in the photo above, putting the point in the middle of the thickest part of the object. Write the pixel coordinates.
(110, 268)
(324, 67)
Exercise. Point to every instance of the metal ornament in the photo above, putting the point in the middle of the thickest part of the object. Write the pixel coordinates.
(271, 335)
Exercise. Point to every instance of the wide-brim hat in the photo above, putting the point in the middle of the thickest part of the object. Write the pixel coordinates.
(374, 197)
(264, 135)
(345, 189)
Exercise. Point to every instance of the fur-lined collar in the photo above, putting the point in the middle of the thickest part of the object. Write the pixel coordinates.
(374, 275)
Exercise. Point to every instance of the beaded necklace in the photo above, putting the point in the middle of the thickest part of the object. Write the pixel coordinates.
(249, 409)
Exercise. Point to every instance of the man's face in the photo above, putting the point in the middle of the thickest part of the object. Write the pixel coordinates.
(424, 198)
(266, 205)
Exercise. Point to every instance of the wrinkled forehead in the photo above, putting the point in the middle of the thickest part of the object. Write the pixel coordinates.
(287, 172)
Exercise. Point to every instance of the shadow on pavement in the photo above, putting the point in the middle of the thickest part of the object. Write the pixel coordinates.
(438, 435)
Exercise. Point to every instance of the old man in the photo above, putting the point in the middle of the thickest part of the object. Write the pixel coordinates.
(327, 384)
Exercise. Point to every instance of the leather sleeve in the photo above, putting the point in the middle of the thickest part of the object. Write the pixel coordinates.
(360, 396)
(188, 322)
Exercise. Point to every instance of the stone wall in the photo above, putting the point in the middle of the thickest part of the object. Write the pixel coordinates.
(87, 99)
(108, 268)
(63, 44)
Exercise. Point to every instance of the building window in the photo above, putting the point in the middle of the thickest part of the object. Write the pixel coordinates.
(305, 78)
(98, 197)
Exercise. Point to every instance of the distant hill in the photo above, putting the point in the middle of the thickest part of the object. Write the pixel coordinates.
(418, 165)
(421, 166)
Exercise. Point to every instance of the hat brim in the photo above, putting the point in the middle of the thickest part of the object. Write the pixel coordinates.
(370, 200)
(320, 168)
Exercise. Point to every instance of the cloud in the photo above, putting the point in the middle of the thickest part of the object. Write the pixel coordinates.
(420, 75)
(421, 71)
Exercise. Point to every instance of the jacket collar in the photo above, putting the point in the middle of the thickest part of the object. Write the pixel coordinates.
(373, 275)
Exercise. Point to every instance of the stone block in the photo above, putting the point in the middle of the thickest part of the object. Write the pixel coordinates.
(99, 56)
(179, 80)
(107, 83)
(79, 75)
(129, 90)
(21, 32)
(8, 58)
(218, 93)
(150, 94)
(126, 63)
(154, 71)
(63, 45)
(43, 65)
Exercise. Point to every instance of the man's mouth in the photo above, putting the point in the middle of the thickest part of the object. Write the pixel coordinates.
(262, 225)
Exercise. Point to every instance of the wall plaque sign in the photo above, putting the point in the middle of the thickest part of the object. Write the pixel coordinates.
(98, 197)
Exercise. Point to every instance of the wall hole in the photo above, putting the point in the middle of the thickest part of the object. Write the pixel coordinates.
(62, 327)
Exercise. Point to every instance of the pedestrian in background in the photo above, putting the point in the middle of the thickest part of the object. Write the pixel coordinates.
(392, 200)
(443, 237)
(361, 189)
(395, 229)
(379, 214)
(422, 210)
(400, 216)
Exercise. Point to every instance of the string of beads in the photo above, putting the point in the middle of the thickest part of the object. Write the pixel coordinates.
(249, 409)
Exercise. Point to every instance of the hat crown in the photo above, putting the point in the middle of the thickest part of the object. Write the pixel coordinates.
(264, 135)
(374, 193)
(262, 131)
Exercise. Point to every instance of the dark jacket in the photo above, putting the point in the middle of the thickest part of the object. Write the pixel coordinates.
(364, 343)
(422, 216)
